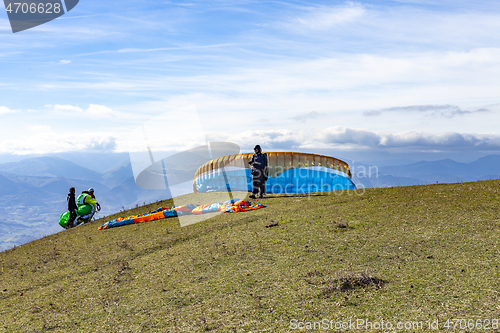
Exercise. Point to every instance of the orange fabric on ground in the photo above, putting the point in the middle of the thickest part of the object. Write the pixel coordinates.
(198, 210)
(182, 209)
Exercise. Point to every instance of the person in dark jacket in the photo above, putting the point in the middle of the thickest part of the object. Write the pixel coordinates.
(258, 163)
(72, 208)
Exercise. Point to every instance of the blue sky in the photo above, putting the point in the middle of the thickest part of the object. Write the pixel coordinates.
(397, 76)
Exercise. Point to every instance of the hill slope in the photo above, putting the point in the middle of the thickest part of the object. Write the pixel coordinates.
(396, 254)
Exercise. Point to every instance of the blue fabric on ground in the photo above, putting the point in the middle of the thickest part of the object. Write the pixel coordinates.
(230, 201)
(115, 223)
(170, 213)
(212, 208)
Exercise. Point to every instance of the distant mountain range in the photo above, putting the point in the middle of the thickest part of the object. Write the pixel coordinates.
(426, 172)
(33, 191)
(49, 167)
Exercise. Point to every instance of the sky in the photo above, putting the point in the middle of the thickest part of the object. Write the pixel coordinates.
(409, 77)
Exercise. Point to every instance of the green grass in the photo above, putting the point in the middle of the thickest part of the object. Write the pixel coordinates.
(396, 254)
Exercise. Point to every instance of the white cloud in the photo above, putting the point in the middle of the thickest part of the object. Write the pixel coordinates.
(275, 139)
(325, 18)
(304, 117)
(372, 113)
(39, 128)
(43, 140)
(5, 110)
(93, 111)
(66, 108)
(101, 111)
(342, 135)
(65, 62)
(102, 144)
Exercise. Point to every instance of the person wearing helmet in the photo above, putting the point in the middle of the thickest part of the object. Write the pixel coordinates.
(258, 163)
(91, 192)
(87, 205)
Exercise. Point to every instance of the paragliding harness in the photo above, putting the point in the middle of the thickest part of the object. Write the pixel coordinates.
(64, 220)
(85, 210)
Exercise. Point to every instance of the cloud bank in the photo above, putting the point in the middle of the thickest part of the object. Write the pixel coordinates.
(46, 141)
(446, 111)
(423, 141)
(343, 138)
(43, 141)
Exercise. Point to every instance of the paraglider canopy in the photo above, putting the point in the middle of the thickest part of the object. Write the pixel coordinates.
(288, 172)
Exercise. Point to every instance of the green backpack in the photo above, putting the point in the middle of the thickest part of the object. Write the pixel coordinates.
(63, 219)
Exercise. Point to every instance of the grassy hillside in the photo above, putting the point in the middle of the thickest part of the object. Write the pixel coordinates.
(397, 254)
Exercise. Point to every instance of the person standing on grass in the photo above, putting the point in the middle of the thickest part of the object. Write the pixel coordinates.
(72, 208)
(259, 172)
